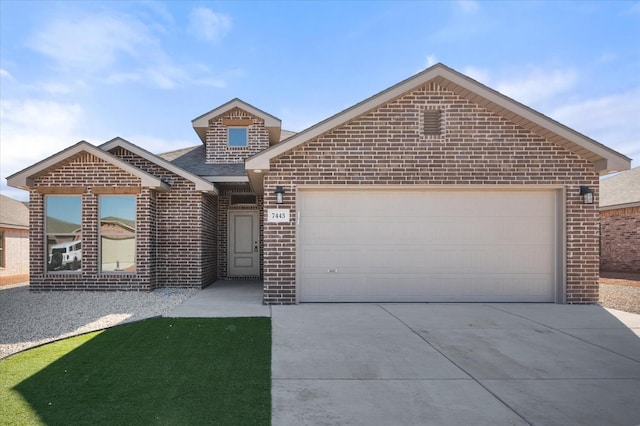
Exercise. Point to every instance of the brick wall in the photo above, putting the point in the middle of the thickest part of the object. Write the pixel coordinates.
(176, 235)
(209, 239)
(88, 171)
(16, 256)
(387, 146)
(184, 216)
(217, 149)
(620, 240)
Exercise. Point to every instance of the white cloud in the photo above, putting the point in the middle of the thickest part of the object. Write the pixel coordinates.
(611, 120)
(121, 49)
(208, 25)
(431, 60)
(33, 129)
(468, 6)
(477, 74)
(57, 88)
(633, 10)
(91, 42)
(5, 74)
(164, 77)
(538, 85)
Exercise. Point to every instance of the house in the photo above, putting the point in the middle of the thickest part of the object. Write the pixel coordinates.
(620, 222)
(435, 189)
(14, 241)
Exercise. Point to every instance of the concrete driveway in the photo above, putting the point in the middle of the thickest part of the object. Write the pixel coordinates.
(454, 364)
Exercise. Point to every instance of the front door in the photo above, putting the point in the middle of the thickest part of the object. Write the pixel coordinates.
(244, 244)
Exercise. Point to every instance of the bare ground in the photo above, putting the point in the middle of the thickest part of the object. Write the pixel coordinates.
(620, 290)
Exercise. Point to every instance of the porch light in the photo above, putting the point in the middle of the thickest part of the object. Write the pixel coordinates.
(587, 195)
(279, 194)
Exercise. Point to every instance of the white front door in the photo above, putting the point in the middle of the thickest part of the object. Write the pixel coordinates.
(244, 244)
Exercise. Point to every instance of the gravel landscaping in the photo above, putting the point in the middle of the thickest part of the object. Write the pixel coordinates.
(30, 319)
(621, 297)
(620, 290)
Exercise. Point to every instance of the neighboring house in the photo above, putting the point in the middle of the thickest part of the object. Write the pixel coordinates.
(14, 241)
(620, 222)
(436, 189)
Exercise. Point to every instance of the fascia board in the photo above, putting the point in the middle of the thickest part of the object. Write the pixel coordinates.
(22, 179)
(203, 120)
(619, 206)
(613, 159)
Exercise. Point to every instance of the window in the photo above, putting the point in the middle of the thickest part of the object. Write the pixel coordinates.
(237, 137)
(63, 232)
(2, 264)
(242, 199)
(117, 233)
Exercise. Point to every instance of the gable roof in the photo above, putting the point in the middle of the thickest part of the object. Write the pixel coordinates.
(271, 123)
(621, 190)
(13, 213)
(201, 184)
(605, 159)
(59, 226)
(24, 179)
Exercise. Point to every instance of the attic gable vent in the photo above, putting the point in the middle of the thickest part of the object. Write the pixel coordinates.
(432, 122)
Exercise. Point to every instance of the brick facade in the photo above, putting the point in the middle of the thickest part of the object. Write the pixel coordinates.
(387, 147)
(183, 222)
(16, 256)
(89, 171)
(217, 149)
(182, 232)
(170, 230)
(620, 240)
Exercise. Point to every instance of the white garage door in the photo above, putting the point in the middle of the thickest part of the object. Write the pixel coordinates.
(427, 245)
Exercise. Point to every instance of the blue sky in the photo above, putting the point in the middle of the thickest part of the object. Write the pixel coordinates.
(73, 71)
(65, 208)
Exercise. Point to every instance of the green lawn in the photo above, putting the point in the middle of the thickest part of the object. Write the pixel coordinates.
(162, 371)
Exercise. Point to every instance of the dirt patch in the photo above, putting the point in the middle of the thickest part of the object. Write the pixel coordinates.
(620, 278)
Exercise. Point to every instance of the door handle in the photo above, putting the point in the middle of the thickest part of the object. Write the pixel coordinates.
(255, 247)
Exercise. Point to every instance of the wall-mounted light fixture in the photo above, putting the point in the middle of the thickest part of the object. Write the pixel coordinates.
(279, 194)
(587, 195)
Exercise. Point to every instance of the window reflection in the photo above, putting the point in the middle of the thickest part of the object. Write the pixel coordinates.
(63, 232)
(117, 233)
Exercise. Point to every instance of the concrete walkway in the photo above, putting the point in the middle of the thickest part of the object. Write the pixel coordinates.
(442, 364)
(233, 298)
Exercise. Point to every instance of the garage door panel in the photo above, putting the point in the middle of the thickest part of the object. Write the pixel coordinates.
(437, 230)
(367, 245)
(439, 259)
(443, 288)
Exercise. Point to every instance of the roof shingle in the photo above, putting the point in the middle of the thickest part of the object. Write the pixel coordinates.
(13, 213)
(623, 188)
